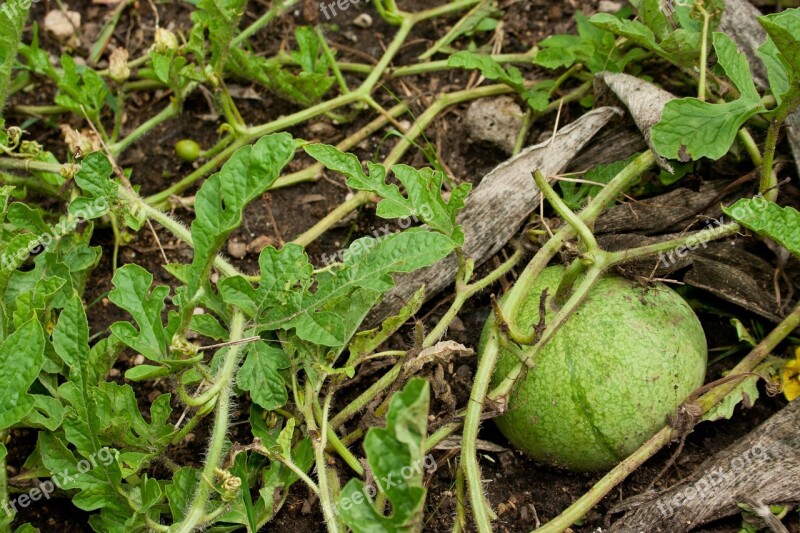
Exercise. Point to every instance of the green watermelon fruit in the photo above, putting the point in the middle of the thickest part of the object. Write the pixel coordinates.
(608, 379)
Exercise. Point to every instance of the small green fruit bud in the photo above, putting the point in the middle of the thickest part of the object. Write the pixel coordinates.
(187, 150)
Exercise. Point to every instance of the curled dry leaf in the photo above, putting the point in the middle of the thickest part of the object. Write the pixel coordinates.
(118, 65)
(441, 352)
(81, 142)
(259, 243)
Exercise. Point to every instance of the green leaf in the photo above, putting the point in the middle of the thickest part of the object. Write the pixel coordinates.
(37, 301)
(48, 413)
(368, 264)
(219, 204)
(71, 342)
(38, 60)
(784, 28)
(146, 372)
(423, 187)
(83, 421)
(309, 54)
(93, 176)
(21, 360)
(180, 492)
(374, 181)
(12, 21)
(285, 275)
(683, 47)
(633, 30)
(691, 19)
(304, 88)
(395, 457)
(779, 78)
(490, 68)
(26, 217)
(132, 293)
(81, 89)
(537, 98)
(124, 425)
(424, 190)
(690, 128)
(215, 22)
(259, 375)
(652, 15)
(593, 46)
(555, 56)
(98, 481)
(208, 325)
(736, 67)
(745, 392)
(768, 219)
(742, 334)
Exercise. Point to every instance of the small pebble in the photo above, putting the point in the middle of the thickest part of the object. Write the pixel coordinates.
(363, 21)
(608, 6)
(138, 360)
(237, 249)
(62, 24)
(457, 325)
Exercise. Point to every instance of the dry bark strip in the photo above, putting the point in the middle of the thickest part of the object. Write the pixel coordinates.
(762, 467)
(644, 101)
(497, 207)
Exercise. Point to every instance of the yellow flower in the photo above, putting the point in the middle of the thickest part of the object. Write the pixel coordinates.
(790, 377)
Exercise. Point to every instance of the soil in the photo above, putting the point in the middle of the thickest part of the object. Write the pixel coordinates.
(523, 493)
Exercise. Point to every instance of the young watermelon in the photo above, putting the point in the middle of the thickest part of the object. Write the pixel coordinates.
(608, 379)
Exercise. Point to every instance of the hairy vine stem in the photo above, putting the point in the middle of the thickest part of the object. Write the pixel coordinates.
(769, 181)
(197, 509)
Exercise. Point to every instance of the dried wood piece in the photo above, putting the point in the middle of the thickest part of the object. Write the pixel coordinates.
(762, 467)
(672, 211)
(644, 101)
(736, 276)
(498, 206)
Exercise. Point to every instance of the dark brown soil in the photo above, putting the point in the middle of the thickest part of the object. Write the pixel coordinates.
(522, 492)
